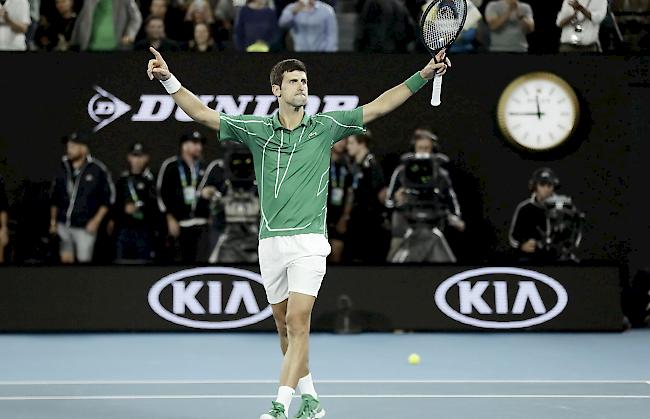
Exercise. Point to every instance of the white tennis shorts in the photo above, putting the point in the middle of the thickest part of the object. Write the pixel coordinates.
(293, 264)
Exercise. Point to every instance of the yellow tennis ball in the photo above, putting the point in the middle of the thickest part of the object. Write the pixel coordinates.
(414, 359)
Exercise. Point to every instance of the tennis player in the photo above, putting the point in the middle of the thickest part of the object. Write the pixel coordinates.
(291, 152)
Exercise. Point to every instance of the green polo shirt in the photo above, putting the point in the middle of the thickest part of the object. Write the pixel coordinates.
(292, 167)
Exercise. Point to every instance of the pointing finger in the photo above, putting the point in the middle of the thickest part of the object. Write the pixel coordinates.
(156, 53)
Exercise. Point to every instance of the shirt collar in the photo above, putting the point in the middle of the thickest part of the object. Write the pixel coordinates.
(277, 125)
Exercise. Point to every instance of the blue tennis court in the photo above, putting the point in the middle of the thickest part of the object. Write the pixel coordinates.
(232, 376)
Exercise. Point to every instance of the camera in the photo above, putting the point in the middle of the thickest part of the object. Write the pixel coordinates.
(424, 203)
(565, 222)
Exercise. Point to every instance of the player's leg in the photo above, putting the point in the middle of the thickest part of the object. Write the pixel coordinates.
(84, 244)
(280, 317)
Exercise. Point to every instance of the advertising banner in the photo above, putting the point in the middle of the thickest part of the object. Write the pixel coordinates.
(352, 298)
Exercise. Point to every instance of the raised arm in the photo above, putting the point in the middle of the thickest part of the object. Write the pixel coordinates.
(185, 99)
(393, 98)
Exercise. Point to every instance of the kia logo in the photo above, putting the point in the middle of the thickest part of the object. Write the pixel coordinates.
(511, 302)
(187, 285)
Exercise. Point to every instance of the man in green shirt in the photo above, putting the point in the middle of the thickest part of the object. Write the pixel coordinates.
(291, 153)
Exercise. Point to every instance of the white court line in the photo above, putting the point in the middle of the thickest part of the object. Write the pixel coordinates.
(208, 381)
(333, 396)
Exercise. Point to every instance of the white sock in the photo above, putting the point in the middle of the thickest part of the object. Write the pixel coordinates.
(306, 386)
(285, 394)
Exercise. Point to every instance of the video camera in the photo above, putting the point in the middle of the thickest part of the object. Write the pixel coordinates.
(424, 202)
(565, 222)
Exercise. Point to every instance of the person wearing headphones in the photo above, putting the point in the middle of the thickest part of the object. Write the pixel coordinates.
(529, 223)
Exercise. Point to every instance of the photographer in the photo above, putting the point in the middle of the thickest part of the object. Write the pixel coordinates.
(424, 203)
(546, 227)
(235, 207)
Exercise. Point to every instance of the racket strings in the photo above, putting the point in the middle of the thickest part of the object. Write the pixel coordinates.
(442, 24)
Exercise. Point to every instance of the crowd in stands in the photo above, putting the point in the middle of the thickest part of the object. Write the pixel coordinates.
(538, 26)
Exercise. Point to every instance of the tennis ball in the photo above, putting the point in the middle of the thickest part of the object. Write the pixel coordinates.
(414, 359)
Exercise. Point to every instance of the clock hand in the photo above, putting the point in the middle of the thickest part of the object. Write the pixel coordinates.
(539, 113)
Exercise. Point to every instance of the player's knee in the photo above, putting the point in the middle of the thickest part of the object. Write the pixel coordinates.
(297, 324)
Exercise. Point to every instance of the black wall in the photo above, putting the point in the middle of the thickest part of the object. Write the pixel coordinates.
(45, 96)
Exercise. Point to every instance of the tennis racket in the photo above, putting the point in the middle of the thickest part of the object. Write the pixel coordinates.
(440, 25)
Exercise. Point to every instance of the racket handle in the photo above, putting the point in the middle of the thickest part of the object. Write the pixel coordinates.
(437, 89)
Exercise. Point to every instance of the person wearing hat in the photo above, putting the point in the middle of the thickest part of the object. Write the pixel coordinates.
(185, 187)
(529, 223)
(82, 193)
(425, 144)
(135, 211)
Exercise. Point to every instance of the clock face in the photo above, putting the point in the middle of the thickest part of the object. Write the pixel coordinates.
(538, 111)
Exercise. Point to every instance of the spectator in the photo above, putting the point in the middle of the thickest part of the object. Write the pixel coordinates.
(154, 28)
(199, 11)
(386, 26)
(4, 220)
(203, 40)
(312, 25)
(184, 194)
(434, 200)
(105, 25)
(529, 223)
(256, 24)
(172, 17)
(367, 238)
(468, 37)
(580, 24)
(509, 21)
(82, 193)
(14, 23)
(55, 31)
(136, 214)
(340, 200)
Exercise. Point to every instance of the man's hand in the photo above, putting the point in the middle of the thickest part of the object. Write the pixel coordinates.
(298, 7)
(92, 226)
(529, 247)
(157, 67)
(439, 65)
(130, 208)
(208, 192)
(173, 227)
(126, 40)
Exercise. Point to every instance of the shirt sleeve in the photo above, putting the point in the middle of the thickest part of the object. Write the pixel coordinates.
(286, 18)
(598, 11)
(344, 123)
(528, 11)
(332, 33)
(236, 128)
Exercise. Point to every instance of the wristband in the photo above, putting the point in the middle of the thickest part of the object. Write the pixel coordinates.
(172, 85)
(415, 82)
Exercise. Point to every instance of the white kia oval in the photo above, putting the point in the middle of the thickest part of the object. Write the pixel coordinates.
(157, 307)
(443, 304)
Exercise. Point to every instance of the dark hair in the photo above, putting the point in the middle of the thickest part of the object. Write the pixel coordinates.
(152, 17)
(285, 66)
(363, 138)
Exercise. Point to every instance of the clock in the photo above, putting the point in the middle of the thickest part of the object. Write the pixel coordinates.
(538, 111)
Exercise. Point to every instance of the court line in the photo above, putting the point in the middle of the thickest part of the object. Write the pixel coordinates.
(209, 381)
(332, 396)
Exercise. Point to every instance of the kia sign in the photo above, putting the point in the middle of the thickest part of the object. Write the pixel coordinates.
(188, 284)
(214, 299)
(472, 305)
